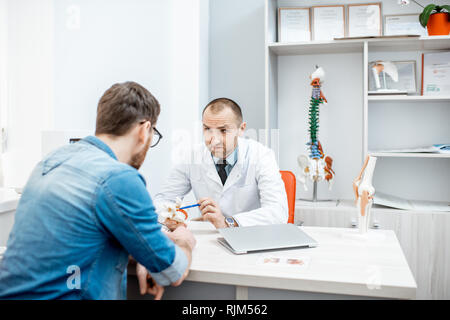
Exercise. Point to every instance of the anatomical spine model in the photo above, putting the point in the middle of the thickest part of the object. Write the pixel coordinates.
(364, 192)
(317, 166)
(171, 212)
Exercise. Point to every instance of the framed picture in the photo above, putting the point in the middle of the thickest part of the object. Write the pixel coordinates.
(392, 77)
(436, 74)
(403, 24)
(294, 25)
(364, 20)
(328, 22)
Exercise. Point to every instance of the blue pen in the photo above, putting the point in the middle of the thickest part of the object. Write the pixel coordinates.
(187, 207)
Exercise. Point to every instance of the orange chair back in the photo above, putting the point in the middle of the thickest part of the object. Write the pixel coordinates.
(290, 185)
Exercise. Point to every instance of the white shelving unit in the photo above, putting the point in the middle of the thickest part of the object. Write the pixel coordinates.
(316, 47)
(412, 48)
(409, 98)
(356, 45)
(354, 122)
(409, 155)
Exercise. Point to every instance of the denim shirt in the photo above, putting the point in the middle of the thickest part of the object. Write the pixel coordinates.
(81, 214)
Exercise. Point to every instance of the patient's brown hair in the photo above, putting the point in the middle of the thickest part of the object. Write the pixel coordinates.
(124, 105)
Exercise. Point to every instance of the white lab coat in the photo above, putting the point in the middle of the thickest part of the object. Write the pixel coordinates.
(254, 193)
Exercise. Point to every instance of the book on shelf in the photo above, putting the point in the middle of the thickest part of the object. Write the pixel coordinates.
(435, 148)
(391, 201)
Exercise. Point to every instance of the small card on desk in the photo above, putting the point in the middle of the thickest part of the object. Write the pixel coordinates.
(298, 262)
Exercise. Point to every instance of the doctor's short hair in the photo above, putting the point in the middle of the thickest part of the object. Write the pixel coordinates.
(123, 106)
(219, 104)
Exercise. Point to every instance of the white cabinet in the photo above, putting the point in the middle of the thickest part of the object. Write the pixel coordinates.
(8, 204)
(426, 244)
(6, 224)
(423, 236)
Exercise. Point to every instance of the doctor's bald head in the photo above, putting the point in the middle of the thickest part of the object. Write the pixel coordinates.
(219, 104)
(222, 125)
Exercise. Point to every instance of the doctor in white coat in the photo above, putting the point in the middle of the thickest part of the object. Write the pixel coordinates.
(236, 181)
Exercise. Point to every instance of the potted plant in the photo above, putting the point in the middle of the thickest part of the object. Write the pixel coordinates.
(436, 19)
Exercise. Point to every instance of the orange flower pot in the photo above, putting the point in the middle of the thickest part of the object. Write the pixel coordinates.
(438, 24)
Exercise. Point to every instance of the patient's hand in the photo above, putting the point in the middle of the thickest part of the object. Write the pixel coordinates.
(147, 284)
(173, 224)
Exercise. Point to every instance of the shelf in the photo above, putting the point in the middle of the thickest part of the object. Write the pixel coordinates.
(410, 44)
(357, 45)
(409, 155)
(348, 205)
(316, 47)
(408, 98)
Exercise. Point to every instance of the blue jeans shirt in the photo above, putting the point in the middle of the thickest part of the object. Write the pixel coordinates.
(81, 214)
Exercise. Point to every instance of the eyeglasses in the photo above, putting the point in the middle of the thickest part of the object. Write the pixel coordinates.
(156, 133)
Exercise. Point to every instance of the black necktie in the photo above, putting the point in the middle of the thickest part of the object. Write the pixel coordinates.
(221, 171)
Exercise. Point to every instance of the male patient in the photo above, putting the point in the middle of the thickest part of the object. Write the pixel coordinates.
(235, 180)
(85, 208)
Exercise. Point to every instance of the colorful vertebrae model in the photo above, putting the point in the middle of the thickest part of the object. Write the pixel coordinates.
(317, 166)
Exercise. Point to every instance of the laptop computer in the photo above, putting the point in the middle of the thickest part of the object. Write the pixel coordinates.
(268, 237)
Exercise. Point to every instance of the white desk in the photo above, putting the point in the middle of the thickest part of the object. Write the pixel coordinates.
(345, 265)
(8, 200)
(8, 204)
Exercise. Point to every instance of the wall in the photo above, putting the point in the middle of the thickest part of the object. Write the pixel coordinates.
(99, 43)
(27, 96)
(85, 46)
(3, 78)
(236, 54)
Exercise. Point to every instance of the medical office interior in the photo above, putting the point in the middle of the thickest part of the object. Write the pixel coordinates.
(390, 240)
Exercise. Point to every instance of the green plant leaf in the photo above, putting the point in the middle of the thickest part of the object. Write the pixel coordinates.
(446, 7)
(425, 15)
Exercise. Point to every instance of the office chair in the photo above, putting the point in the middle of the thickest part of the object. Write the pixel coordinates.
(290, 185)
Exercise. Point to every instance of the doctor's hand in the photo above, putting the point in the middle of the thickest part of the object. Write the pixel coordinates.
(212, 213)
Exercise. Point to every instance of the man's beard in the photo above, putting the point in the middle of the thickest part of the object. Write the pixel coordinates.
(138, 159)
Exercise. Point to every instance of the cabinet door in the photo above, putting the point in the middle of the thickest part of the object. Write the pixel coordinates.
(424, 238)
(425, 242)
(325, 217)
